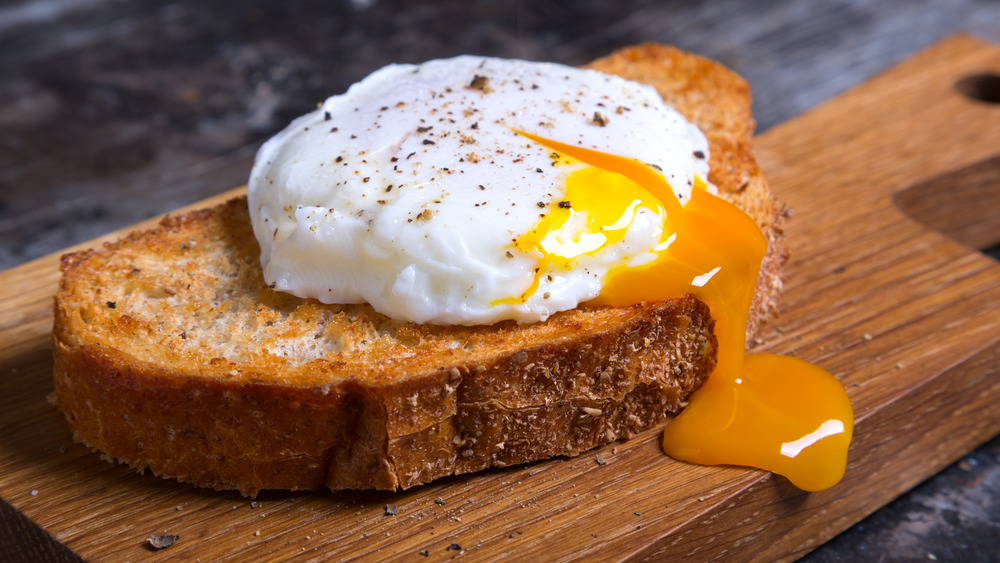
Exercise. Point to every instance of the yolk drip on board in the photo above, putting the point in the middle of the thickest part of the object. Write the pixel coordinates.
(769, 411)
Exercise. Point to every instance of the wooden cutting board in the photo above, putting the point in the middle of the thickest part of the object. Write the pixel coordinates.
(892, 185)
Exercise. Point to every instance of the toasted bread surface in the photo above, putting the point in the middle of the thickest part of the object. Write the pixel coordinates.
(172, 354)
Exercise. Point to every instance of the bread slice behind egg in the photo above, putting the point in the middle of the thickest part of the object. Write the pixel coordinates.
(172, 354)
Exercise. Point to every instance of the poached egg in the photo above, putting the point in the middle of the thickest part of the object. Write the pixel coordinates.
(425, 192)
(473, 190)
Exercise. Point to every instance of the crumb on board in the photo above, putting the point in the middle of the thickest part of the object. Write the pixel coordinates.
(161, 541)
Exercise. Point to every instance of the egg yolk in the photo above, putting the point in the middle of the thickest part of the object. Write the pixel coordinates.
(598, 210)
(774, 412)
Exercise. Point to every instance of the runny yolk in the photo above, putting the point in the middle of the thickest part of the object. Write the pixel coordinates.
(774, 412)
(600, 206)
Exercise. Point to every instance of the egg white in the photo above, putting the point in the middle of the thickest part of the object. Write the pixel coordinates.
(408, 191)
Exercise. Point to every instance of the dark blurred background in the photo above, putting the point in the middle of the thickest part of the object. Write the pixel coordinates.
(113, 111)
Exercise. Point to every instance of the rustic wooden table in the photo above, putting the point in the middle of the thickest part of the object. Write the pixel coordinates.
(116, 111)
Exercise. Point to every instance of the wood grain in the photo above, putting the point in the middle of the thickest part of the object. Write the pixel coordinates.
(907, 318)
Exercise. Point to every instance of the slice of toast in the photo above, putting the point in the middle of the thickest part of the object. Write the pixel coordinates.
(172, 354)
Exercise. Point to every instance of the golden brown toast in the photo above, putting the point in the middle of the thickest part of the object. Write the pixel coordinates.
(172, 354)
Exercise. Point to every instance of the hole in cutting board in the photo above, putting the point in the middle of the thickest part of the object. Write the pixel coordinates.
(984, 87)
(963, 205)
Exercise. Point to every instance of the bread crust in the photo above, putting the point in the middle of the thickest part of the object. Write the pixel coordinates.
(172, 354)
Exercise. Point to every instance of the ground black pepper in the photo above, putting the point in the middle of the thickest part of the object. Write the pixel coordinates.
(481, 83)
